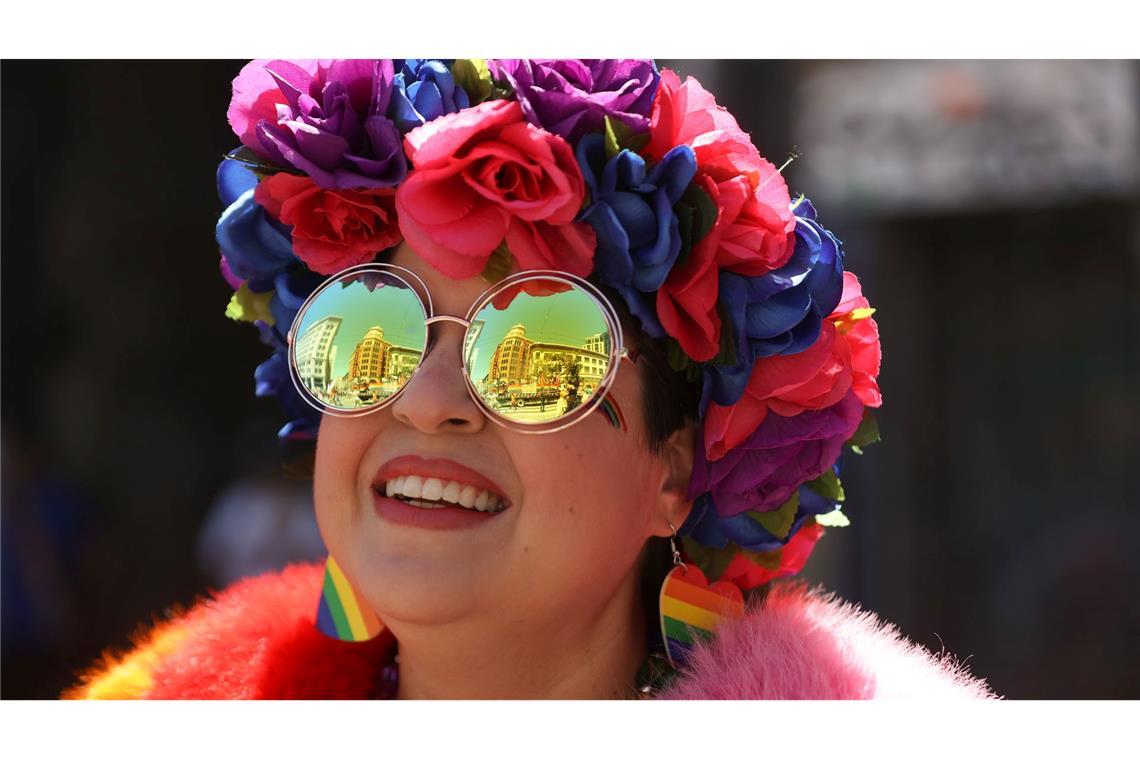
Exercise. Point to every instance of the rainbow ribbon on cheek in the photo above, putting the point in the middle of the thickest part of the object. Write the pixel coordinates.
(342, 613)
(612, 411)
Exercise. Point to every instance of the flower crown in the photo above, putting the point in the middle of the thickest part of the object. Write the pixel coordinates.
(608, 169)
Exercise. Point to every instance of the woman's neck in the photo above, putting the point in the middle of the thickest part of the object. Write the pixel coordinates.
(575, 657)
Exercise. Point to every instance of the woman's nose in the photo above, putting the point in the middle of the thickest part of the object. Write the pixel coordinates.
(435, 398)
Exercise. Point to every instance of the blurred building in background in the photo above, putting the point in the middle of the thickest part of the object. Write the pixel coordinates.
(990, 209)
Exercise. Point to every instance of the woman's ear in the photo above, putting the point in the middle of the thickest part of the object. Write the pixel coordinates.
(673, 502)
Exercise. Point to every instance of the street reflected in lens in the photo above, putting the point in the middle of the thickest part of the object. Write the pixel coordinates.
(359, 341)
(540, 357)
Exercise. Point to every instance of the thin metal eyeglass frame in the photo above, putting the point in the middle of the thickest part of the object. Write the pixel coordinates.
(617, 344)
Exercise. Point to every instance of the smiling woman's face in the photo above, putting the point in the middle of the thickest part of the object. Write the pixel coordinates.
(580, 502)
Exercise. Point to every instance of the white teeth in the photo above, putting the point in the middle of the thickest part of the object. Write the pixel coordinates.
(433, 489)
(451, 492)
(435, 492)
(413, 487)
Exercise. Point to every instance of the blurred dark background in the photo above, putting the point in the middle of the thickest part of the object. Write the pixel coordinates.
(990, 208)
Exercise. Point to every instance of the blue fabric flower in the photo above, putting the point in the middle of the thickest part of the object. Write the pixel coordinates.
(424, 89)
(632, 212)
(256, 247)
(780, 312)
(272, 380)
(290, 290)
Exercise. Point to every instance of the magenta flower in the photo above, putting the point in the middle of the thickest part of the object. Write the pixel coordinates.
(328, 120)
(571, 97)
(784, 453)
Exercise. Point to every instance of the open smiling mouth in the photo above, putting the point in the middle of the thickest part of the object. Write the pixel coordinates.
(435, 493)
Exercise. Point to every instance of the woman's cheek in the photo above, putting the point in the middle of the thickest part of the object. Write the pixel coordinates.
(341, 445)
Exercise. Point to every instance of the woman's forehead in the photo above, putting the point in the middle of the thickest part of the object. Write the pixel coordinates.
(448, 296)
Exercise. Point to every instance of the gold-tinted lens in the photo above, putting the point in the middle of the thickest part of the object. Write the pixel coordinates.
(359, 340)
(538, 351)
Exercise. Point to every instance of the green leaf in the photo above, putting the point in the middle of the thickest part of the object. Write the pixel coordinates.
(866, 434)
(834, 519)
(678, 359)
(727, 355)
(620, 137)
(686, 215)
(704, 211)
(828, 486)
(498, 264)
(712, 562)
(247, 306)
(257, 164)
(474, 77)
(778, 522)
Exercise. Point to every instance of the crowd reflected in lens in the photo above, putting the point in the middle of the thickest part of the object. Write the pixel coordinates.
(359, 341)
(539, 356)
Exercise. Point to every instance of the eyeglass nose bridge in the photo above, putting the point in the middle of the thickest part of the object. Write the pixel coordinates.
(448, 318)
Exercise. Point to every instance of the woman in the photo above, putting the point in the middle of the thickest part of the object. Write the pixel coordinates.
(482, 222)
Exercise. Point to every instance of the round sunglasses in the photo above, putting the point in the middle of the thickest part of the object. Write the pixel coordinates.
(541, 348)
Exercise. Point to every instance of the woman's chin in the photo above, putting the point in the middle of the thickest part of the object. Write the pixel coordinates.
(420, 589)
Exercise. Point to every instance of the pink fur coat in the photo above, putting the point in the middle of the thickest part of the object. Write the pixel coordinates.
(256, 640)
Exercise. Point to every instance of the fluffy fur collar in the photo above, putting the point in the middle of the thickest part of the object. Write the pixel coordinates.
(256, 640)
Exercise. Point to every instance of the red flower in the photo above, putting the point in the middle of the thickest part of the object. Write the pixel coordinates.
(788, 384)
(852, 317)
(485, 174)
(845, 357)
(748, 574)
(686, 301)
(332, 229)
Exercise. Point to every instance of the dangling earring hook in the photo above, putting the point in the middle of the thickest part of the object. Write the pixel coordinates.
(673, 545)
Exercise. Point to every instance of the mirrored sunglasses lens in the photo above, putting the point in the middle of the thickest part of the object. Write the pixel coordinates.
(538, 351)
(359, 341)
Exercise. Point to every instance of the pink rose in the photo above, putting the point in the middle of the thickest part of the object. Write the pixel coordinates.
(484, 174)
(752, 234)
(686, 114)
(332, 229)
(755, 229)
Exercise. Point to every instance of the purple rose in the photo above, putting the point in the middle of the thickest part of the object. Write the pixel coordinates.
(708, 528)
(571, 97)
(784, 453)
(332, 125)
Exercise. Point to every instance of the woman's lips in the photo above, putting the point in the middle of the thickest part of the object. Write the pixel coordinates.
(444, 469)
(439, 518)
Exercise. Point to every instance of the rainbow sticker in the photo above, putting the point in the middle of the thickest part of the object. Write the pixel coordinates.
(610, 408)
(342, 613)
(691, 609)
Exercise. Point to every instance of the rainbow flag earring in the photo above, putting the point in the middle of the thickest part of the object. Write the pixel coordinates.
(342, 613)
(691, 608)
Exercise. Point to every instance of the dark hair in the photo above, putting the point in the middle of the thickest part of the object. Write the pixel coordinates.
(669, 401)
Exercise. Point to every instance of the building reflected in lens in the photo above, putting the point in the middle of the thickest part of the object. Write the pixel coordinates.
(536, 381)
(376, 368)
(315, 352)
